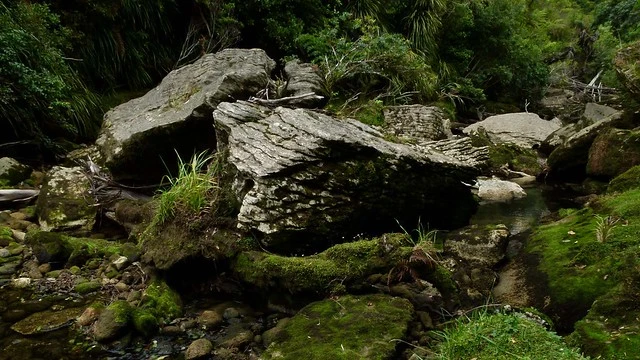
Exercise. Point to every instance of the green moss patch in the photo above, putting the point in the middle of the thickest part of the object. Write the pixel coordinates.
(611, 329)
(502, 336)
(6, 236)
(515, 157)
(325, 272)
(161, 301)
(350, 327)
(628, 180)
(583, 265)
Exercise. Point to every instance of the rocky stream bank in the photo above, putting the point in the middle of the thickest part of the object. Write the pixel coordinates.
(322, 237)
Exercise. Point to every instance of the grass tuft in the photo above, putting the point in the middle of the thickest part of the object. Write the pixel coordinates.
(487, 335)
(194, 190)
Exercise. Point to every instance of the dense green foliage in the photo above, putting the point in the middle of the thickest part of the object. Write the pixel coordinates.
(462, 52)
(41, 97)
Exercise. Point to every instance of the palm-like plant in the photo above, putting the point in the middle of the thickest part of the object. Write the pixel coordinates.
(423, 24)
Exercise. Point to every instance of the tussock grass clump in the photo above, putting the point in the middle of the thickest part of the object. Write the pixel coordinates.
(494, 336)
(194, 190)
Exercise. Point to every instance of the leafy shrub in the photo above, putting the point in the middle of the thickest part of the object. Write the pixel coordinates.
(41, 97)
(371, 63)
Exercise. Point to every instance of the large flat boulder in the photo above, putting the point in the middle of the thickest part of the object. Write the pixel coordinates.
(138, 138)
(526, 130)
(302, 176)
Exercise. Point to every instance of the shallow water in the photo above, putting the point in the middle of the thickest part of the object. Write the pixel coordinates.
(518, 215)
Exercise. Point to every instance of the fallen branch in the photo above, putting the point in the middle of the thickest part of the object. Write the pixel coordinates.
(15, 195)
(285, 100)
(106, 191)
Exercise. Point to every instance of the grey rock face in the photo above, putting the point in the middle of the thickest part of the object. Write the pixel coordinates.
(523, 129)
(138, 136)
(63, 202)
(417, 122)
(595, 112)
(302, 78)
(302, 175)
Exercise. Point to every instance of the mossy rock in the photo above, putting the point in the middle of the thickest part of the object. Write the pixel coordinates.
(515, 157)
(581, 264)
(161, 301)
(113, 321)
(12, 172)
(342, 264)
(46, 321)
(180, 241)
(613, 152)
(63, 202)
(87, 287)
(502, 337)
(628, 180)
(145, 322)
(350, 327)
(62, 250)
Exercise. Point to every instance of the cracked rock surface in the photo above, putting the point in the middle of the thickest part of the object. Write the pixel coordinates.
(303, 176)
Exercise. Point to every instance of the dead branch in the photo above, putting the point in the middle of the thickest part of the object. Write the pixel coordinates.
(285, 100)
(105, 190)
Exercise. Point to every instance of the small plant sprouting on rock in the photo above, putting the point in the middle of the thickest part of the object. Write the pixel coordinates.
(423, 256)
(418, 259)
(604, 227)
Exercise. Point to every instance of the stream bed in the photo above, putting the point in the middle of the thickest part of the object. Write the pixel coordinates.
(64, 342)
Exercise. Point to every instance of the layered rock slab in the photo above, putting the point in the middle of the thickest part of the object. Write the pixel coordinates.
(302, 174)
(139, 137)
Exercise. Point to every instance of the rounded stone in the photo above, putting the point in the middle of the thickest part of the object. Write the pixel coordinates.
(198, 349)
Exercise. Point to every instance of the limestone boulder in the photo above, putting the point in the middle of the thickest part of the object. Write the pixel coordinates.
(526, 130)
(140, 138)
(302, 79)
(594, 112)
(64, 202)
(560, 103)
(417, 123)
(496, 190)
(303, 176)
